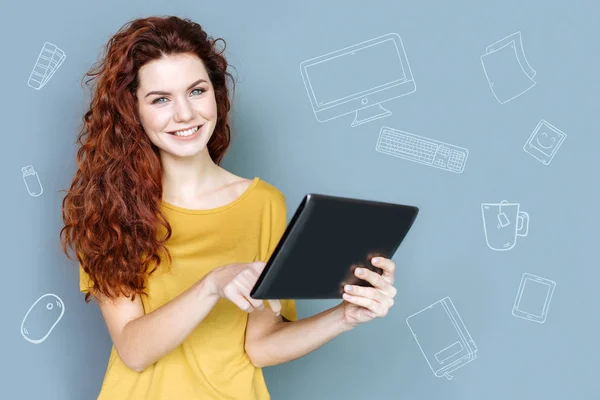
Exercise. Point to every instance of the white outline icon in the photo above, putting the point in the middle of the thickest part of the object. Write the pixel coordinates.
(378, 85)
(422, 150)
(32, 181)
(47, 63)
(534, 288)
(502, 230)
(49, 311)
(544, 149)
(442, 337)
(506, 68)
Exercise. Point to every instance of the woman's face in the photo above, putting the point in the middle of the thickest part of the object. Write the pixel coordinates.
(176, 104)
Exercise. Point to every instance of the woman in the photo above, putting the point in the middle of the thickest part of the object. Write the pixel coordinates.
(169, 243)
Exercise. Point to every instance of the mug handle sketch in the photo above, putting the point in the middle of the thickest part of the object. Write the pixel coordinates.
(523, 223)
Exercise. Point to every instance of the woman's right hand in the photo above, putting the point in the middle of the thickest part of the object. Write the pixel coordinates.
(235, 281)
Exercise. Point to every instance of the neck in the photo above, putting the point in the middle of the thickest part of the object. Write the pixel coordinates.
(186, 178)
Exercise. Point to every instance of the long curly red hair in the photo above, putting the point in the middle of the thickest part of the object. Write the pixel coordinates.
(111, 212)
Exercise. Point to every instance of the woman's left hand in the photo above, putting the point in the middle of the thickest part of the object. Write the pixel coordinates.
(362, 304)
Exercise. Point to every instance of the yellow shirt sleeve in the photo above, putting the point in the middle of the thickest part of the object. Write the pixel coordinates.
(278, 226)
(85, 283)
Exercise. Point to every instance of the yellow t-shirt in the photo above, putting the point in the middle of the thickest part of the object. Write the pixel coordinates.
(211, 363)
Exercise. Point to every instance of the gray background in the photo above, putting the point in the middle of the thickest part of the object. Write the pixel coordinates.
(277, 137)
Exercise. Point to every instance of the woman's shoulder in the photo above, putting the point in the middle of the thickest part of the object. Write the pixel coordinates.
(270, 190)
(262, 186)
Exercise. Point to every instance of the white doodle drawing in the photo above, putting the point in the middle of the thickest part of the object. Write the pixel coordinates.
(506, 68)
(42, 317)
(422, 150)
(47, 63)
(358, 79)
(502, 223)
(442, 338)
(533, 298)
(544, 142)
(32, 181)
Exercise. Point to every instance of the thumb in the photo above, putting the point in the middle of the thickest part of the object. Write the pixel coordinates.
(258, 266)
(275, 306)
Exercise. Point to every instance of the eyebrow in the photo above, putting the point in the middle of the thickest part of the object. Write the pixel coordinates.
(167, 93)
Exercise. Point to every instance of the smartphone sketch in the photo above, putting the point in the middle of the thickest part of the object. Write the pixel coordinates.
(442, 337)
(533, 298)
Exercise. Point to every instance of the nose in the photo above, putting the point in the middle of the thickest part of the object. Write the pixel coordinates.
(183, 111)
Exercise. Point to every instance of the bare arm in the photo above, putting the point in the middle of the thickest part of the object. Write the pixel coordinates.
(271, 341)
(142, 339)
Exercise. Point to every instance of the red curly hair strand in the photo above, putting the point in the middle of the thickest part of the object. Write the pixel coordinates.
(111, 212)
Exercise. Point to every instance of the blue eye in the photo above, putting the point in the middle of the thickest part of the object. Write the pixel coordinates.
(160, 98)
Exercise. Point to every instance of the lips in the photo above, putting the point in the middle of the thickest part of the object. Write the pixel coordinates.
(183, 130)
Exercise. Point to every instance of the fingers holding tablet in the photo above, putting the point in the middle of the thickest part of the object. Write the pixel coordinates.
(380, 296)
(365, 296)
(388, 267)
(379, 282)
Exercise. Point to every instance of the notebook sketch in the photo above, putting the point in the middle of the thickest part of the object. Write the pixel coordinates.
(442, 337)
(533, 298)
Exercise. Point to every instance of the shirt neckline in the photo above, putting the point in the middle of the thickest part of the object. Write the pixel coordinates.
(183, 210)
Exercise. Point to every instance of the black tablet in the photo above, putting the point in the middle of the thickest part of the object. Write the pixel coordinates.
(326, 240)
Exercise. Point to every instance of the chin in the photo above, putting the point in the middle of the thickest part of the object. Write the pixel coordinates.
(196, 151)
(185, 154)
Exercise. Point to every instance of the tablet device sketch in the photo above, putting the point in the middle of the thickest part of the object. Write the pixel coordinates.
(327, 238)
(544, 142)
(533, 298)
(442, 337)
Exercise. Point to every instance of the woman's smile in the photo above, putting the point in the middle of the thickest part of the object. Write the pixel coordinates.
(187, 134)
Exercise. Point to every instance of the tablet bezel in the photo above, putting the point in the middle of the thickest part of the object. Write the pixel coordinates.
(350, 277)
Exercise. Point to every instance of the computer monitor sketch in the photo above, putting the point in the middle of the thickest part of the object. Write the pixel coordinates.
(358, 79)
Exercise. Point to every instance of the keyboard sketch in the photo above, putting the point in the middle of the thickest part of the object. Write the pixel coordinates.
(422, 150)
(442, 337)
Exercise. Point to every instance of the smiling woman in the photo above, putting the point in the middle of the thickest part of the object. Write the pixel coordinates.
(169, 243)
(154, 221)
(182, 112)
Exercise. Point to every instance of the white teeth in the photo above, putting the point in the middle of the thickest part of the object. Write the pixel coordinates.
(186, 133)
